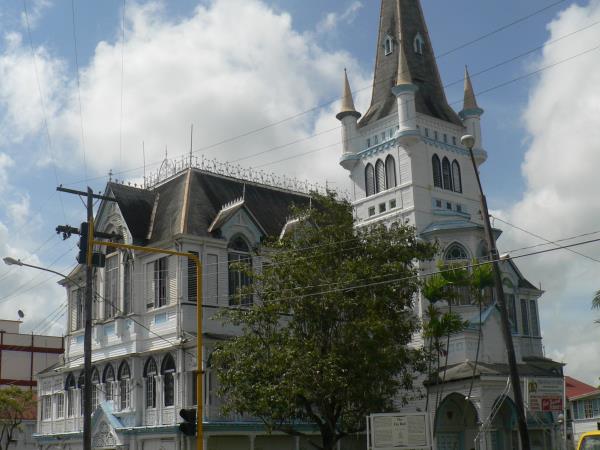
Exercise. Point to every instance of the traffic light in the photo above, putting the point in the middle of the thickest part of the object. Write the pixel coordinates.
(188, 426)
(83, 243)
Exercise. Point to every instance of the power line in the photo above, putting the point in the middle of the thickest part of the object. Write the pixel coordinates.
(78, 89)
(544, 239)
(42, 104)
(250, 132)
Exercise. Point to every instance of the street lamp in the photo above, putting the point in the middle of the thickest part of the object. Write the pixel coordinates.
(10, 261)
(469, 142)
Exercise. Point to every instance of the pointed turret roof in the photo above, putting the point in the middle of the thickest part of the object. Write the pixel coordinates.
(347, 108)
(403, 76)
(470, 101)
(403, 22)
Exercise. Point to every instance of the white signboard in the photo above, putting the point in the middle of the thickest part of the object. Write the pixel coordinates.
(398, 431)
(545, 394)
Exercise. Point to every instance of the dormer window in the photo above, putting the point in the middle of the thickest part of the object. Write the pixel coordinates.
(388, 45)
(419, 44)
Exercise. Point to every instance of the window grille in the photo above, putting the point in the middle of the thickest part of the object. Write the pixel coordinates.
(437, 171)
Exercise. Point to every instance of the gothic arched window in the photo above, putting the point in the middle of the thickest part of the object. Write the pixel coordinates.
(446, 174)
(150, 373)
(419, 44)
(70, 394)
(456, 252)
(379, 176)
(108, 378)
(127, 283)
(240, 264)
(369, 179)
(167, 369)
(437, 171)
(124, 375)
(456, 179)
(390, 171)
(80, 386)
(95, 389)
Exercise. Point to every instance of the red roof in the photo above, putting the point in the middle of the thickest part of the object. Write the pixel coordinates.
(576, 388)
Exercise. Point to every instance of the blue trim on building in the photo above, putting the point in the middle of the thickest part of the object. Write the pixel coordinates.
(403, 88)
(471, 112)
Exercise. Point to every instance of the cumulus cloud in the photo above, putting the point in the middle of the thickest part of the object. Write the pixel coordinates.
(225, 80)
(561, 198)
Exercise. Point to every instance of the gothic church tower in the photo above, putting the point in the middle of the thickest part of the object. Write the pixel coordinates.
(404, 156)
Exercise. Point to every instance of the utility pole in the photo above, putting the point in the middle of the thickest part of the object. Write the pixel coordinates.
(87, 334)
(469, 142)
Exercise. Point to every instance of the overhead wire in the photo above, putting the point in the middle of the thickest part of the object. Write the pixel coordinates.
(543, 238)
(42, 105)
(122, 172)
(78, 89)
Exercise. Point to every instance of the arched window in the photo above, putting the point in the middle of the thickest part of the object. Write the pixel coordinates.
(456, 180)
(482, 251)
(70, 394)
(379, 176)
(80, 386)
(419, 44)
(456, 252)
(390, 171)
(108, 379)
(167, 369)
(240, 264)
(437, 171)
(124, 375)
(446, 174)
(150, 373)
(127, 283)
(95, 383)
(388, 45)
(369, 179)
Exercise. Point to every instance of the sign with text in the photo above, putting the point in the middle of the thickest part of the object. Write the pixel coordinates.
(398, 431)
(545, 394)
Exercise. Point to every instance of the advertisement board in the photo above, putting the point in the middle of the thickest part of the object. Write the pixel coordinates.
(398, 431)
(545, 394)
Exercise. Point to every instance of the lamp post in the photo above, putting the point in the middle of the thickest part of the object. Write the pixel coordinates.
(469, 142)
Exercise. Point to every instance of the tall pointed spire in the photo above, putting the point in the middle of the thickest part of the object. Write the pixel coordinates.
(470, 102)
(402, 27)
(347, 107)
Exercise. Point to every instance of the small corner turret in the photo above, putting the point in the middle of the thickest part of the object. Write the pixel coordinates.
(405, 90)
(349, 116)
(471, 115)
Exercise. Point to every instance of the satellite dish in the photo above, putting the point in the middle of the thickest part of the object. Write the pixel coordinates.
(21, 314)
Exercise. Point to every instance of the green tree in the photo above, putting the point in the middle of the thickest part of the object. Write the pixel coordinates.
(596, 303)
(326, 340)
(15, 404)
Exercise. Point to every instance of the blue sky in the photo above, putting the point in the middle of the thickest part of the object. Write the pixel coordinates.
(228, 66)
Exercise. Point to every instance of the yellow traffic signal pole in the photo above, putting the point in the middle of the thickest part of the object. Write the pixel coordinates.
(196, 259)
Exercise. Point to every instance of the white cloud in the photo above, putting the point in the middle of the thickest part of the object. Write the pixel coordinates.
(333, 19)
(561, 198)
(225, 80)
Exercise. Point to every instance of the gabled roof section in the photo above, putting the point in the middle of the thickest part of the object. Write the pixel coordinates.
(577, 389)
(228, 211)
(136, 206)
(404, 21)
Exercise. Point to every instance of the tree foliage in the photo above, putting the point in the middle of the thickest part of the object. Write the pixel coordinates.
(15, 404)
(326, 340)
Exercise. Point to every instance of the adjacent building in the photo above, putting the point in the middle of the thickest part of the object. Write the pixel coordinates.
(583, 409)
(22, 356)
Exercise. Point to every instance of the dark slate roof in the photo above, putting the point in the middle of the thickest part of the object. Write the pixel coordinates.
(136, 205)
(402, 20)
(196, 197)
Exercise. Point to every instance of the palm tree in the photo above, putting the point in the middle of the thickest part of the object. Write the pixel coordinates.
(596, 303)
